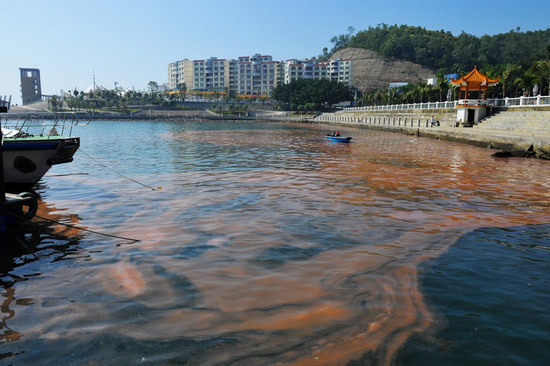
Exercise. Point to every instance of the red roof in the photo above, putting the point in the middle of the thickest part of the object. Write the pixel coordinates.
(475, 79)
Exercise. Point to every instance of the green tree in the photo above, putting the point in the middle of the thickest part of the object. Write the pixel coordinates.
(182, 90)
(441, 49)
(153, 87)
(526, 82)
(507, 77)
(341, 41)
(319, 92)
(422, 91)
(442, 85)
(53, 103)
(543, 68)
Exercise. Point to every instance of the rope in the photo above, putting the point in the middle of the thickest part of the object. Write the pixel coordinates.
(66, 175)
(22, 244)
(122, 175)
(130, 240)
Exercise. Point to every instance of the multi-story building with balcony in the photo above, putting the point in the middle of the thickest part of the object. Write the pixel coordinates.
(201, 75)
(305, 69)
(341, 71)
(255, 75)
(336, 70)
(176, 73)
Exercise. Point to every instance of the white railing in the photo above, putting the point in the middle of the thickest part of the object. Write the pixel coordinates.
(503, 102)
(44, 124)
(427, 105)
(539, 100)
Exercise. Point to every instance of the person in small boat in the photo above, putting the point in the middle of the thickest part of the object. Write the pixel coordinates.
(335, 134)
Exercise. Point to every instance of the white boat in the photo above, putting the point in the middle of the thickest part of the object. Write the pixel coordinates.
(32, 145)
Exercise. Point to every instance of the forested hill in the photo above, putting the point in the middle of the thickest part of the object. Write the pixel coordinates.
(443, 50)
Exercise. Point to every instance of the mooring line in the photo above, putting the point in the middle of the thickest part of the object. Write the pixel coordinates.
(86, 230)
(66, 175)
(113, 170)
(130, 240)
(22, 243)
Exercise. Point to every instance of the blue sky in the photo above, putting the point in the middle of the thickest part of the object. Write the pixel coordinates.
(131, 42)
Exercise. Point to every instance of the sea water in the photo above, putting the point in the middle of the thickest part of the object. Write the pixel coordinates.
(249, 243)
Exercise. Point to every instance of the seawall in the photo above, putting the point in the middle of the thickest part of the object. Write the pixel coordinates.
(517, 135)
(417, 122)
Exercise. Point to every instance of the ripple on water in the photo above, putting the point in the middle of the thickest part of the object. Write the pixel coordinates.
(265, 245)
(492, 288)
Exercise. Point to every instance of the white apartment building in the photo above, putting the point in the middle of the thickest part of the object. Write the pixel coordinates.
(336, 70)
(205, 75)
(255, 75)
(341, 71)
(305, 69)
(176, 73)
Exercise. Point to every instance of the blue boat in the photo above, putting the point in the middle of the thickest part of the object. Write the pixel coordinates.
(337, 138)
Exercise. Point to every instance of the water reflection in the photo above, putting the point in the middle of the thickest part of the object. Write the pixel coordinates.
(31, 246)
(8, 335)
(264, 246)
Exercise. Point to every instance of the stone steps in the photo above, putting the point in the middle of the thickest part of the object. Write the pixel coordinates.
(518, 121)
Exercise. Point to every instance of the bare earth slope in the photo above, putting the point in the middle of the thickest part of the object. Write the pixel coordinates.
(371, 71)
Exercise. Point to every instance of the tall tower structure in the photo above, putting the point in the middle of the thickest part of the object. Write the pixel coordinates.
(30, 85)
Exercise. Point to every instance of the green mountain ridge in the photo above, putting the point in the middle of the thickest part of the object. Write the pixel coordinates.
(441, 50)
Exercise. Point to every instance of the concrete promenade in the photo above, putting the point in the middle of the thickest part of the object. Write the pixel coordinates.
(519, 137)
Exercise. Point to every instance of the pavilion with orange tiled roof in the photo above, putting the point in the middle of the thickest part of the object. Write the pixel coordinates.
(474, 81)
(470, 111)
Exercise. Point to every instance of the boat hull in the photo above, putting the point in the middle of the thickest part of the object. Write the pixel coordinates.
(338, 139)
(27, 160)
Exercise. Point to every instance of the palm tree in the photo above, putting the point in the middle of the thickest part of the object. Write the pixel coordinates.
(422, 90)
(412, 95)
(53, 103)
(526, 82)
(543, 68)
(392, 96)
(429, 91)
(441, 84)
(506, 77)
(182, 88)
(379, 95)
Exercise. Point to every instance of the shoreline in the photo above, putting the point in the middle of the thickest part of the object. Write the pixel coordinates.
(511, 143)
